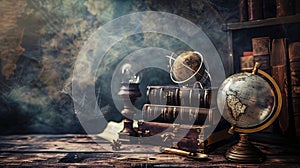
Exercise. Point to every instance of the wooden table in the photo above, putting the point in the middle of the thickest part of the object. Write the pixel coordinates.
(82, 150)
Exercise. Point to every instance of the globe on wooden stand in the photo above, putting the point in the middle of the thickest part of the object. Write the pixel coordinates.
(250, 102)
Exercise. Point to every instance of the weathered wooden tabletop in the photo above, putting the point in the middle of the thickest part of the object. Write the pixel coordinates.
(82, 150)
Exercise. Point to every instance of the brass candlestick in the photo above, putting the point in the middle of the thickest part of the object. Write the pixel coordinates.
(129, 92)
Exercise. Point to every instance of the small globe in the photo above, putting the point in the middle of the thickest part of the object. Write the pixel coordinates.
(248, 101)
(188, 66)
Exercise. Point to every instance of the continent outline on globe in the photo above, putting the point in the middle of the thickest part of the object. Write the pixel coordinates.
(236, 106)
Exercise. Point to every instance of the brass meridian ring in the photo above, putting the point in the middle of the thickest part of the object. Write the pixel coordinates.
(278, 108)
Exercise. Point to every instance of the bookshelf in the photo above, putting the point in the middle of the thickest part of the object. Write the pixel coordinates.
(239, 35)
(263, 23)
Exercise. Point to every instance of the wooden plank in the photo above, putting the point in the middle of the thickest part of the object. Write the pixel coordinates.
(81, 150)
(163, 160)
(50, 143)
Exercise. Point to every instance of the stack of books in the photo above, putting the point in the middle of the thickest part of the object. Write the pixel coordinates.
(186, 110)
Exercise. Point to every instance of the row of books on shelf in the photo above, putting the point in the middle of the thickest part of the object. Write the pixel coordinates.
(262, 9)
(282, 62)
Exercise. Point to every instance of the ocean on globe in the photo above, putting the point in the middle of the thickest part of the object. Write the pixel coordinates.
(188, 68)
(246, 100)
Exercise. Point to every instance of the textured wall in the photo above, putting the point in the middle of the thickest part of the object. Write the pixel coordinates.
(40, 41)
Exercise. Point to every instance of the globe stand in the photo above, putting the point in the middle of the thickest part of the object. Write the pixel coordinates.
(244, 152)
(234, 107)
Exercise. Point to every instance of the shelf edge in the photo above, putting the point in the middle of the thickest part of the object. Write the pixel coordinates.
(262, 23)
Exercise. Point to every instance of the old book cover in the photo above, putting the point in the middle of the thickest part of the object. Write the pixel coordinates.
(264, 61)
(278, 60)
(243, 7)
(285, 7)
(182, 96)
(255, 9)
(164, 95)
(180, 114)
(261, 45)
(269, 8)
(247, 63)
(294, 59)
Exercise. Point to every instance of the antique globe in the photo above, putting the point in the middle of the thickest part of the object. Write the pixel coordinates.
(189, 68)
(250, 102)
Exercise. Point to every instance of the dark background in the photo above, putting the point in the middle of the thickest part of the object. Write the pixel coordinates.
(40, 41)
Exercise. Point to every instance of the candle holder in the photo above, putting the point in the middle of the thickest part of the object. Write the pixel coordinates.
(129, 92)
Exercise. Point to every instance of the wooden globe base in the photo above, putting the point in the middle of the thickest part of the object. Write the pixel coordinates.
(244, 152)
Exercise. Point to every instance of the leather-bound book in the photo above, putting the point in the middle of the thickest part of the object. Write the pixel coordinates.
(255, 9)
(261, 45)
(269, 8)
(261, 52)
(247, 63)
(285, 7)
(264, 61)
(185, 96)
(180, 114)
(243, 6)
(278, 60)
(163, 95)
(294, 59)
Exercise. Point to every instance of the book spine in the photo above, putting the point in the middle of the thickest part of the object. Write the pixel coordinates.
(261, 52)
(285, 7)
(203, 98)
(294, 59)
(269, 8)
(255, 9)
(261, 45)
(170, 95)
(180, 114)
(247, 63)
(278, 63)
(164, 95)
(264, 61)
(243, 7)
